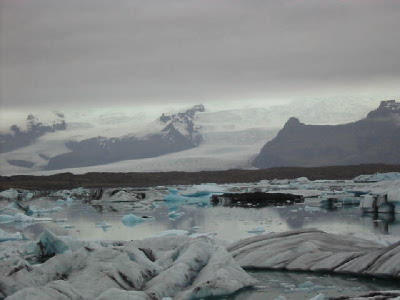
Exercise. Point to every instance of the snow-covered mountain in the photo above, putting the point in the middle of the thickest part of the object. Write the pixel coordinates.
(175, 133)
(18, 137)
(231, 135)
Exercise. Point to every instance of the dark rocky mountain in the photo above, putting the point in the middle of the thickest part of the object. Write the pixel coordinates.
(18, 138)
(178, 132)
(374, 139)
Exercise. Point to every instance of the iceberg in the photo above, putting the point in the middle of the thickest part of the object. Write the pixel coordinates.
(21, 218)
(378, 177)
(38, 211)
(5, 236)
(315, 250)
(311, 208)
(49, 244)
(173, 215)
(132, 220)
(172, 232)
(102, 225)
(257, 230)
(11, 194)
(6, 219)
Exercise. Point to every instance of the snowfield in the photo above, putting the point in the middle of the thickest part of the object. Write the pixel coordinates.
(232, 136)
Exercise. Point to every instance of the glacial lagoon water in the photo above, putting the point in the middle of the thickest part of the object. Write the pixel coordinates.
(231, 224)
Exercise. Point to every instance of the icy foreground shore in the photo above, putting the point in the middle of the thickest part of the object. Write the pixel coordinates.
(155, 268)
(180, 267)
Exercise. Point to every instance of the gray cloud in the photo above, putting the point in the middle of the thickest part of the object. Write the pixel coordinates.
(101, 52)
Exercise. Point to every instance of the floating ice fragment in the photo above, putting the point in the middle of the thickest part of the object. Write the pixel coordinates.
(38, 211)
(173, 215)
(280, 298)
(67, 226)
(49, 244)
(6, 219)
(307, 284)
(257, 230)
(131, 219)
(311, 208)
(320, 296)
(5, 236)
(60, 220)
(198, 194)
(19, 218)
(172, 232)
(102, 225)
(9, 194)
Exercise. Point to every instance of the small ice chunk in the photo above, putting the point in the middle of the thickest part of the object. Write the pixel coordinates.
(172, 232)
(257, 230)
(6, 219)
(67, 226)
(5, 236)
(173, 215)
(20, 218)
(49, 244)
(311, 208)
(320, 296)
(102, 225)
(307, 284)
(9, 194)
(60, 220)
(38, 211)
(132, 220)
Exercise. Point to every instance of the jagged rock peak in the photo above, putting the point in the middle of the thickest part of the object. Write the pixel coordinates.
(293, 122)
(189, 113)
(387, 108)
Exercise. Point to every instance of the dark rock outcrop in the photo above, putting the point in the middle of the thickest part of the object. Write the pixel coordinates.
(178, 133)
(374, 139)
(18, 138)
(256, 199)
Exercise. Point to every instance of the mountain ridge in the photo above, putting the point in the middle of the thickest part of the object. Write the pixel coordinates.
(374, 139)
(177, 134)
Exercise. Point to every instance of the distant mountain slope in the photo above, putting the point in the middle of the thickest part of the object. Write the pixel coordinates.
(232, 134)
(178, 132)
(18, 138)
(374, 139)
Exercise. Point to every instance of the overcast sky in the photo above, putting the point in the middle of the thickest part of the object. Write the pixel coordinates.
(65, 53)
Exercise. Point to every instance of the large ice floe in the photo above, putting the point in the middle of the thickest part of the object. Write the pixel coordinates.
(382, 197)
(315, 250)
(178, 267)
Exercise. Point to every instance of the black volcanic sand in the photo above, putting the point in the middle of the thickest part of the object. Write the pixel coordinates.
(133, 179)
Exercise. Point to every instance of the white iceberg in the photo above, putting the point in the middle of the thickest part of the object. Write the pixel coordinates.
(21, 218)
(173, 215)
(11, 194)
(132, 220)
(5, 236)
